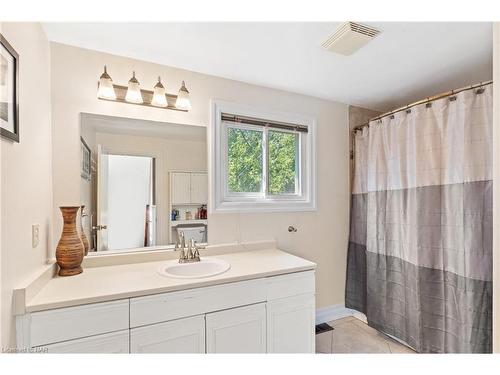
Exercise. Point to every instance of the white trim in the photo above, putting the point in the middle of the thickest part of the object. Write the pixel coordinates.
(218, 203)
(333, 312)
(23, 331)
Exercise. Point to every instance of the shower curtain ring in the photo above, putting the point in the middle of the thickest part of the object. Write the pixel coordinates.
(480, 90)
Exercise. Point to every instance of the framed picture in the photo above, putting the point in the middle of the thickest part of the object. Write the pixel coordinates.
(86, 160)
(9, 91)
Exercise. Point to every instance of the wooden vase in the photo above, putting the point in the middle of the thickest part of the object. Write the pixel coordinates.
(70, 250)
(85, 241)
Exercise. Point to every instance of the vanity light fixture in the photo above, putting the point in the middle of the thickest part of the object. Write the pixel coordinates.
(159, 98)
(133, 94)
(183, 101)
(106, 89)
(134, 90)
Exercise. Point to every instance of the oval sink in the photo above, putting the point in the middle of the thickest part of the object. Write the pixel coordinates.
(203, 268)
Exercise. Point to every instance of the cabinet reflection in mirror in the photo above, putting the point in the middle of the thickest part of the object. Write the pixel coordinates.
(147, 183)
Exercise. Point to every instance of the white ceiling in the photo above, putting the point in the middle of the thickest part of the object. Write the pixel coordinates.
(406, 62)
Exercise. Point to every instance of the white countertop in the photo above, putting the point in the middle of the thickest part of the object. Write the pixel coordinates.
(106, 283)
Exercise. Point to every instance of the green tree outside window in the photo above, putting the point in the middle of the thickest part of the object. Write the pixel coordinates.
(245, 155)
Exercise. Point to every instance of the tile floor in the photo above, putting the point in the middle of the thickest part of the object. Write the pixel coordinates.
(351, 335)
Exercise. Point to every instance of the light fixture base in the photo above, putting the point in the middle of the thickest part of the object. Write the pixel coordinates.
(147, 95)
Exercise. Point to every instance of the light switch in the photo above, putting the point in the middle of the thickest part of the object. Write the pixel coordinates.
(35, 235)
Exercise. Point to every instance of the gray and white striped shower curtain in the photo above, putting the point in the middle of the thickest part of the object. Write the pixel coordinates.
(420, 246)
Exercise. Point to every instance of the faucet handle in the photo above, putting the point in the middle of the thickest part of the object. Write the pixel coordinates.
(196, 252)
(182, 240)
(189, 254)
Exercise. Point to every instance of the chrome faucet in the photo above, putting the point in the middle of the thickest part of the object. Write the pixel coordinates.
(182, 240)
(191, 255)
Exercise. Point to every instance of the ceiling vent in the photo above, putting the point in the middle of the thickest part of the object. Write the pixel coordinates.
(349, 37)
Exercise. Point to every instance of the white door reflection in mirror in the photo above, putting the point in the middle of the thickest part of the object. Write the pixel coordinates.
(129, 196)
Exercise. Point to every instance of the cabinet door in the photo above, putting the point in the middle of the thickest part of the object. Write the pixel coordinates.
(240, 330)
(177, 336)
(115, 342)
(199, 188)
(290, 325)
(180, 185)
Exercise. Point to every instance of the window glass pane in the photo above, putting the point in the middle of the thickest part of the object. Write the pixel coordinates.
(283, 160)
(244, 155)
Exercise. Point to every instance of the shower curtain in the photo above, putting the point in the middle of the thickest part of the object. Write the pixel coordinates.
(420, 246)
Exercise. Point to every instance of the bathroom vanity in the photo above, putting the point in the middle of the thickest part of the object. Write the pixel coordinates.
(265, 303)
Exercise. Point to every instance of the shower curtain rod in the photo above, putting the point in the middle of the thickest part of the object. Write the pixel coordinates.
(426, 100)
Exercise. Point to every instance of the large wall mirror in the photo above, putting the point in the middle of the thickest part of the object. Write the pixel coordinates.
(143, 183)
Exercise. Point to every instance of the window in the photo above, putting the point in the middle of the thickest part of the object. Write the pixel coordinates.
(244, 160)
(283, 168)
(261, 161)
(246, 165)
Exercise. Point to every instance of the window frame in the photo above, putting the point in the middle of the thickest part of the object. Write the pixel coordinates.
(221, 200)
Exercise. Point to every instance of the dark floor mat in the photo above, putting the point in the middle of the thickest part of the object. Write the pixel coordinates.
(323, 327)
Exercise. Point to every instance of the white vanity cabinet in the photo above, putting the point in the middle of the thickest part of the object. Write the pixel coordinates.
(265, 315)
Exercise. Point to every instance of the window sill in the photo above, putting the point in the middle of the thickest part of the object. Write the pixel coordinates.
(263, 206)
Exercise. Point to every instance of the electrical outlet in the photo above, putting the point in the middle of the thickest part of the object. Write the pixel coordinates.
(35, 235)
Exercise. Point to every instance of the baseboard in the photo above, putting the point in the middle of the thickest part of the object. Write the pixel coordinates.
(333, 312)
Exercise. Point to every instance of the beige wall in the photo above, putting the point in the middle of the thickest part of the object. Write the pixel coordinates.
(359, 116)
(496, 187)
(321, 236)
(26, 170)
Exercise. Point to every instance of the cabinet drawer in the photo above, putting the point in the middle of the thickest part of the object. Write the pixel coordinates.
(69, 323)
(115, 342)
(290, 285)
(169, 306)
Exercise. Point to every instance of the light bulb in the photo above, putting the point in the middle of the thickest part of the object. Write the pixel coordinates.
(159, 98)
(105, 89)
(183, 101)
(134, 91)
